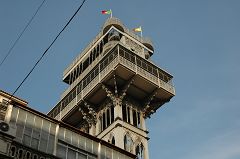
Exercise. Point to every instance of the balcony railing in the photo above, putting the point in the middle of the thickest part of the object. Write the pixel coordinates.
(109, 21)
(82, 54)
(118, 55)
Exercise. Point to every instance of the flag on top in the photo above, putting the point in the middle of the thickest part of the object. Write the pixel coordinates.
(107, 11)
(139, 29)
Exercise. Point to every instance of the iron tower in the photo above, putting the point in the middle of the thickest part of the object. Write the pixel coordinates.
(113, 87)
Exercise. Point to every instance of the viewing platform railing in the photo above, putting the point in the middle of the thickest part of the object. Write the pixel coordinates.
(93, 77)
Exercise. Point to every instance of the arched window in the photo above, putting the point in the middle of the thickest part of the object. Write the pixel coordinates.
(128, 143)
(12, 152)
(113, 140)
(104, 121)
(20, 154)
(112, 114)
(113, 35)
(27, 155)
(128, 114)
(134, 117)
(35, 156)
(139, 120)
(139, 151)
(124, 112)
(108, 117)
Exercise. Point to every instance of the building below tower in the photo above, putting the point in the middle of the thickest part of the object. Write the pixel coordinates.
(28, 134)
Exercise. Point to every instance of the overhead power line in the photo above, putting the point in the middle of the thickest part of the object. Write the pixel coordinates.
(44, 53)
(20, 35)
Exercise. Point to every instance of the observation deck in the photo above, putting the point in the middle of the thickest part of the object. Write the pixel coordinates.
(107, 25)
(146, 83)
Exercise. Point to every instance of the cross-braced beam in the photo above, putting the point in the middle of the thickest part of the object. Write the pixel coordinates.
(90, 118)
(146, 105)
(90, 108)
(125, 88)
(110, 94)
(83, 113)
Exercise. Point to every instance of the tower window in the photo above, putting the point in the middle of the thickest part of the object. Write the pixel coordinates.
(113, 140)
(112, 114)
(128, 114)
(128, 143)
(138, 120)
(108, 117)
(139, 151)
(124, 112)
(134, 118)
(100, 123)
(104, 121)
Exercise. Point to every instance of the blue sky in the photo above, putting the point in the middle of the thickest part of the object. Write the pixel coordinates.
(198, 42)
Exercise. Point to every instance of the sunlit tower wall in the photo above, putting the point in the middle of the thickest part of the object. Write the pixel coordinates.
(113, 87)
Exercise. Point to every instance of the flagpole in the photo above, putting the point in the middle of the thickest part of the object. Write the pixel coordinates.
(141, 32)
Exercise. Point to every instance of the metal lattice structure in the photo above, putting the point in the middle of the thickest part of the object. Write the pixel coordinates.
(113, 87)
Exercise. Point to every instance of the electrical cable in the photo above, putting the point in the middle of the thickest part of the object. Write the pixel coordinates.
(44, 53)
(20, 35)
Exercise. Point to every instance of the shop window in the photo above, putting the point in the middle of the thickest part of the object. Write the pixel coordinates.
(61, 151)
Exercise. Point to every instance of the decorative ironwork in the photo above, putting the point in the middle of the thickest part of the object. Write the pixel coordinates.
(19, 151)
(125, 88)
(149, 99)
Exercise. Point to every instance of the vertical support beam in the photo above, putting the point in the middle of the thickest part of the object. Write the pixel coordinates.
(131, 115)
(81, 89)
(136, 66)
(92, 130)
(106, 119)
(118, 53)
(60, 111)
(142, 122)
(56, 140)
(76, 100)
(98, 125)
(159, 85)
(117, 110)
(99, 73)
(146, 153)
(110, 115)
(8, 113)
(102, 122)
(99, 150)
